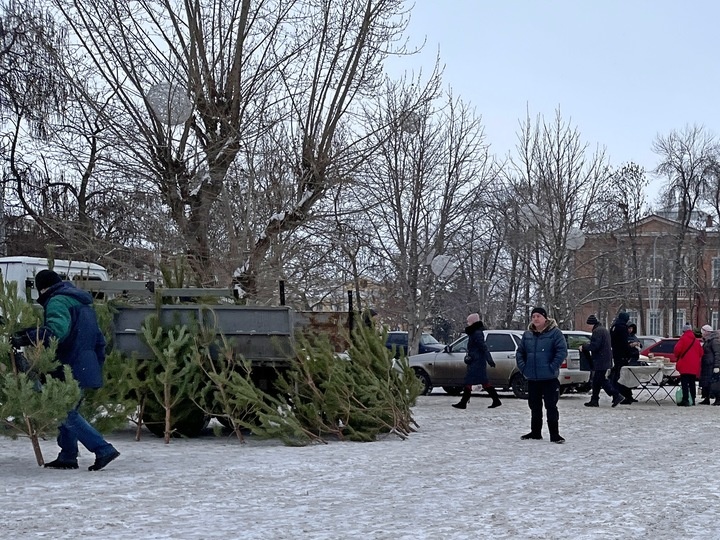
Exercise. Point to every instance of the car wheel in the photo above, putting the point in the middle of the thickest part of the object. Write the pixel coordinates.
(425, 381)
(453, 390)
(519, 386)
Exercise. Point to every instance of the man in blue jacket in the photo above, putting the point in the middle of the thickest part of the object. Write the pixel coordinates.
(542, 351)
(70, 318)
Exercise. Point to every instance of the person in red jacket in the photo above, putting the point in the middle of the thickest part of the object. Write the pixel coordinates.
(688, 353)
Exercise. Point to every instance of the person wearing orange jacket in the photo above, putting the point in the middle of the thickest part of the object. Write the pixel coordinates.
(688, 354)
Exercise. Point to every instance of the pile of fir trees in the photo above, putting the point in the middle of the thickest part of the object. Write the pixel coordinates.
(195, 375)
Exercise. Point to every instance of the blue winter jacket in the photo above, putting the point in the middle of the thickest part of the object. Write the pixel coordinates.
(541, 353)
(71, 319)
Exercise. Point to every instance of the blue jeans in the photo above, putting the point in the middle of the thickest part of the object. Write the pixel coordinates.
(75, 428)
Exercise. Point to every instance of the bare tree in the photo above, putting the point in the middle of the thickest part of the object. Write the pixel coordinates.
(418, 187)
(687, 161)
(254, 73)
(557, 185)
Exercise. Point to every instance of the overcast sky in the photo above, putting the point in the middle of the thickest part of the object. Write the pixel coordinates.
(621, 71)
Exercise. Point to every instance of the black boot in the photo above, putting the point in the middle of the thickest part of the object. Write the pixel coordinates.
(494, 395)
(617, 399)
(462, 404)
(535, 430)
(555, 433)
(594, 401)
(717, 401)
(705, 401)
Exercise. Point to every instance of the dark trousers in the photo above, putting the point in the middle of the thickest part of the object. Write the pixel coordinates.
(547, 392)
(600, 381)
(615, 375)
(687, 383)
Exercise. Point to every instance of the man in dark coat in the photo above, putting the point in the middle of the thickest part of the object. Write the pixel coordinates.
(601, 354)
(622, 353)
(542, 351)
(477, 356)
(70, 318)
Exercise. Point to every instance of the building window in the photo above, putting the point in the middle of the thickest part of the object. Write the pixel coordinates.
(654, 322)
(634, 317)
(715, 319)
(679, 321)
(716, 272)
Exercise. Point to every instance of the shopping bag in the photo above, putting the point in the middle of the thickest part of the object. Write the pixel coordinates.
(679, 396)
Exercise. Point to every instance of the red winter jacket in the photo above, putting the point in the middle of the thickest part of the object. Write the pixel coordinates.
(688, 353)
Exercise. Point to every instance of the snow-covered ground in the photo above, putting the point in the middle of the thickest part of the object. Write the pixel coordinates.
(638, 471)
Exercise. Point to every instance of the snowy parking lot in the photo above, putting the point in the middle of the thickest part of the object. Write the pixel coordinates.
(638, 471)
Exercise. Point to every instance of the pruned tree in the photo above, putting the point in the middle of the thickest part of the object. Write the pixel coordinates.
(199, 88)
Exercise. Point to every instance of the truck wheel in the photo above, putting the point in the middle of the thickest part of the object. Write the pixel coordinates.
(186, 419)
(425, 381)
(519, 385)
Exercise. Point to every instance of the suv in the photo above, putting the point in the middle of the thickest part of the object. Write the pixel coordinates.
(400, 341)
(447, 368)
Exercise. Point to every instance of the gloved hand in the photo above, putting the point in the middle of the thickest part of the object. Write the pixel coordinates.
(20, 339)
(491, 362)
(716, 370)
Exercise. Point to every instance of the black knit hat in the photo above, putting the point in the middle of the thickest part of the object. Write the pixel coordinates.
(46, 279)
(592, 319)
(539, 310)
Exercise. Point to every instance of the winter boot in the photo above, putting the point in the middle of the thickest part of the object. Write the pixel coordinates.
(535, 430)
(462, 404)
(717, 401)
(594, 402)
(58, 464)
(684, 403)
(617, 399)
(705, 401)
(555, 433)
(102, 461)
(494, 395)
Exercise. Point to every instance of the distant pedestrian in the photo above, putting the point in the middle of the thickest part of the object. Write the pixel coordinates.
(688, 358)
(476, 359)
(542, 351)
(622, 354)
(635, 344)
(601, 356)
(710, 366)
(70, 318)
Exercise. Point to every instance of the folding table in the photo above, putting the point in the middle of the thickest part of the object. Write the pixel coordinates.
(649, 378)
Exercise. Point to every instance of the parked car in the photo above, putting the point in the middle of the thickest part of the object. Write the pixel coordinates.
(571, 378)
(400, 341)
(646, 341)
(663, 348)
(446, 368)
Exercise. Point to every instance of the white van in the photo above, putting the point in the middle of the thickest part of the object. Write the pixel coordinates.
(22, 270)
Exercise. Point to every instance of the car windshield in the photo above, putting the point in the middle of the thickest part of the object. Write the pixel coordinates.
(575, 340)
(427, 339)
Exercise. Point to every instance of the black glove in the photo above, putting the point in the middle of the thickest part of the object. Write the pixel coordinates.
(491, 362)
(20, 339)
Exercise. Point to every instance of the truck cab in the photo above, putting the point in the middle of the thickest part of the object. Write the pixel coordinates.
(22, 270)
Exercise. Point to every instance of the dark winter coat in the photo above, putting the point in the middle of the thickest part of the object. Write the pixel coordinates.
(688, 354)
(541, 352)
(478, 355)
(710, 359)
(600, 349)
(71, 319)
(621, 350)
